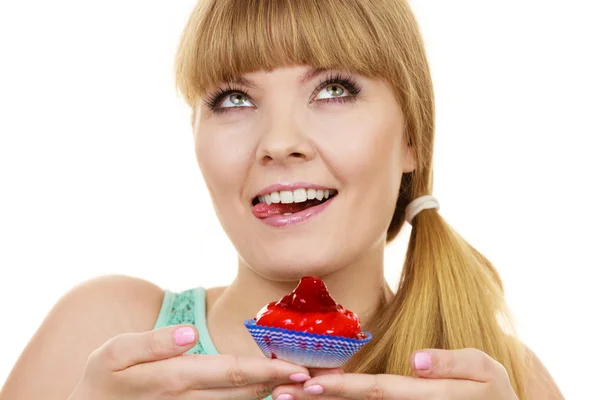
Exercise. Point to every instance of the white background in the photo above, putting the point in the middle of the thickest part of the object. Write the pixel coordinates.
(98, 175)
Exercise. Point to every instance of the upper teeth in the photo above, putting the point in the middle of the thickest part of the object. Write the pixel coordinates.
(296, 196)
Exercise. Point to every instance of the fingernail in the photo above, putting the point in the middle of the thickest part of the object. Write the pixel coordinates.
(299, 377)
(184, 336)
(314, 389)
(422, 361)
(285, 397)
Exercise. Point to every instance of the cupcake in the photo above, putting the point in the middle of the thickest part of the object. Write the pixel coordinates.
(307, 327)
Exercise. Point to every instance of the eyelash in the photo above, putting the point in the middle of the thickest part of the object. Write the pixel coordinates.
(347, 82)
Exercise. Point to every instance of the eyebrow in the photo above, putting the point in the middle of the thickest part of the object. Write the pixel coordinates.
(307, 76)
(311, 73)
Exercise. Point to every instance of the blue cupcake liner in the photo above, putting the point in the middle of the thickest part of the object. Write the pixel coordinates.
(307, 349)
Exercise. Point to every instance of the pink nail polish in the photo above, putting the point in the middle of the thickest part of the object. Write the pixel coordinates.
(422, 361)
(285, 397)
(314, 389)
(184, 336)
(299, 377)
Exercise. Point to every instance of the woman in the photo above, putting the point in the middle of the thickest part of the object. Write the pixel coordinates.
(314, 124)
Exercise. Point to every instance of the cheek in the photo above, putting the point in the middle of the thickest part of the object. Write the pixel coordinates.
(364, 152)
(223, 154)
(362, 148)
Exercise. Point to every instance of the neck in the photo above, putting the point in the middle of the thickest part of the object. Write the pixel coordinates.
(359, 287)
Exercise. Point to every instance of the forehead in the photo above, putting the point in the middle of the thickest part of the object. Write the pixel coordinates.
(232, 38)
(300, 74)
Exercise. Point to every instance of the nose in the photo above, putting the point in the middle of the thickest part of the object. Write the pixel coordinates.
(283, 142)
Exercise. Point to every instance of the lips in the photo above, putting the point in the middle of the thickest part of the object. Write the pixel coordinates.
(285, 205)
(264, 210)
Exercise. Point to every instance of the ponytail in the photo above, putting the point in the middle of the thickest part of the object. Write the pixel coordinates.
(449, 297)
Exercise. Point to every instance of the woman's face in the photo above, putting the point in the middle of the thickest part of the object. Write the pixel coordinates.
(272, 143)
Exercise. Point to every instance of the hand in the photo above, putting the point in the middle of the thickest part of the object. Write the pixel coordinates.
(466, 374)
(152, 365)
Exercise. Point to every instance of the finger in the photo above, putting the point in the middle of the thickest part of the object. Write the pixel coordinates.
(254, 391)
(365, 386)
(469, 364)
(218, 371)
(262, 390)
(381, 387)
(129, 349)
(235, 371)
(296, 392)
(298, 389)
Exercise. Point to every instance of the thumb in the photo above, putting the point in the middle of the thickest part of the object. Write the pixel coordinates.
(129, 349)
(471, 364)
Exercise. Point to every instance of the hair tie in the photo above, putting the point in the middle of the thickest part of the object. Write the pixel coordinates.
(419, 204)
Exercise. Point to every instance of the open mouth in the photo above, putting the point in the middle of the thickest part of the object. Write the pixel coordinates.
(288, 202)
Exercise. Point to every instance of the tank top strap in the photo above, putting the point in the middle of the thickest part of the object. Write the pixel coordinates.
(187, 307)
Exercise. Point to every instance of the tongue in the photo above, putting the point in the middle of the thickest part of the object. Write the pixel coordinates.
(264, 210)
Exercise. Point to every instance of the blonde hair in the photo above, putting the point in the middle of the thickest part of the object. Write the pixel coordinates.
(449, 296)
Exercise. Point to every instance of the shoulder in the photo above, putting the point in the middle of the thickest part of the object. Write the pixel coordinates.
(81, 321)
(540, 384)
(131, 302)
(112, 304)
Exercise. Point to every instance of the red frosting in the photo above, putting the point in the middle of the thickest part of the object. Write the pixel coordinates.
(310, 308)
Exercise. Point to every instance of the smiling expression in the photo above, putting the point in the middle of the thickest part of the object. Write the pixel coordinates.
(271, 146)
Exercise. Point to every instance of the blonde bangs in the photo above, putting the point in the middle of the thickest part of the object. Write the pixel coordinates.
(225, 39)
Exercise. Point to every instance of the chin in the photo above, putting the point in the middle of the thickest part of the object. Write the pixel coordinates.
(292, 269)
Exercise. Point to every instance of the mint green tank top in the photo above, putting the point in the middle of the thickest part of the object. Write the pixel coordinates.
(188, 307)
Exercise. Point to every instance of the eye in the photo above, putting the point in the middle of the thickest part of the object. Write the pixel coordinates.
(235, 100)
(332, 91)
(228, 99)
(336, 89)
